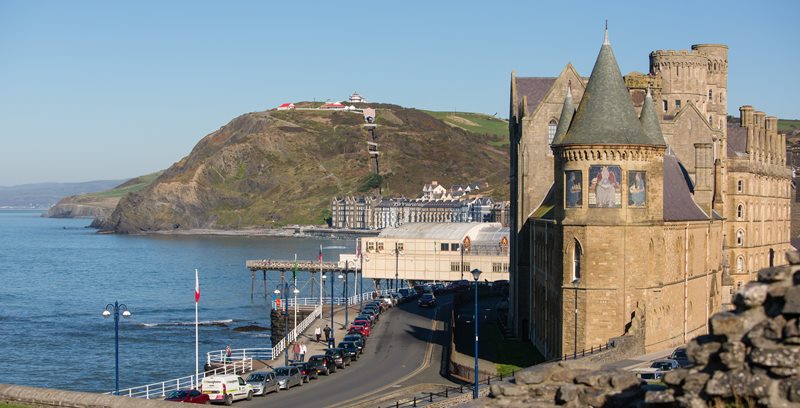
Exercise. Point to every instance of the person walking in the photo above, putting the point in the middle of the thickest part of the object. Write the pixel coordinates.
(303, 350)
(228, 353)
(327, 331)
(296, 351)
(318, 333)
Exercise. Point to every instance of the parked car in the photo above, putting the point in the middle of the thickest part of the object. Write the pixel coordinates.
(359, 329)
(367, 316)
(657, 369)
(351, 348)
(263, 382)
(438, 288)
(288, 377)
(372, 312)
(681, 357)
(427, 300)
(419, 290)
(387, 300)
(192, 396)
(226, 388)
(362, 322)
(307, 370)
(359, 339)
(323, 363)
(340, 357)
(665, 364)
(397, 297)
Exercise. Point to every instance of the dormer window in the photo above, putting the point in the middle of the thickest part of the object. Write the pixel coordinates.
(551, 131)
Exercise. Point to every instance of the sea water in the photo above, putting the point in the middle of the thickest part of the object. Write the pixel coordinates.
(57, 276)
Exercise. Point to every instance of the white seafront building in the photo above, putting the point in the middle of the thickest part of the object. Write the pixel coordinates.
(441, 252)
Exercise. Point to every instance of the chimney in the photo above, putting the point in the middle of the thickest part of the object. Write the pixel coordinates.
(704, 175)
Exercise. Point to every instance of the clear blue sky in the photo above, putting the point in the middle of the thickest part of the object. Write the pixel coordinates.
(104, 90)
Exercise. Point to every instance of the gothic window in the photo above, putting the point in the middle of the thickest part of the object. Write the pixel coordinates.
(677, 104)
(739, 264)
(666, 105)
(740, 237)
(551, 131)
(710, 97)
(710, 120)
(739, 186)
(576, 262)
(677, 71)
(739, 211)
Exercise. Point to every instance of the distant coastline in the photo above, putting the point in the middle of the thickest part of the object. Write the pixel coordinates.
(289, 232)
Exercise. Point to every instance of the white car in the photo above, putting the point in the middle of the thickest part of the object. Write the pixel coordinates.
(226, 388)
(388, 300)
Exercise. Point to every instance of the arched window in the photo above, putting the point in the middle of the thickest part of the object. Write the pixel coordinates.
(739, 186)
(739, 264)
(710, 97)
(710, 120)
(740, 237)
(740, 211)
(576, 262)
(551, 131)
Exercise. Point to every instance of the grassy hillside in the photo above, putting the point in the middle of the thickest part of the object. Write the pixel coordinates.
(131, 186)
(478, 123)
(273, 168)
(789, 126)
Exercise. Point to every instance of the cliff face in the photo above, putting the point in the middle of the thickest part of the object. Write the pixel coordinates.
(268, 169)
(77, 207)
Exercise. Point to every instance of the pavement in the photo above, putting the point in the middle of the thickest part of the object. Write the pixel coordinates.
(639, 361)
(405, 349)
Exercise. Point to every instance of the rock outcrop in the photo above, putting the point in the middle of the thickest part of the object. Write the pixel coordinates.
(83, 207)
(751, 358)
(274, 168)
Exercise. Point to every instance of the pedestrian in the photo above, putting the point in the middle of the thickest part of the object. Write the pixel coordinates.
(296, 351)
(228, 353)
(318, 333)
(327, 331)
(303, 350)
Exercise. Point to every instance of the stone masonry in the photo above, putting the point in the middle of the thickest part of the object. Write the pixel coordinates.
(750, 359)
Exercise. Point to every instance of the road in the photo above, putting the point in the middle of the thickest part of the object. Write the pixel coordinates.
(404, 349)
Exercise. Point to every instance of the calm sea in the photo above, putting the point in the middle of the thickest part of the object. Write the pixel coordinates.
(57, 276)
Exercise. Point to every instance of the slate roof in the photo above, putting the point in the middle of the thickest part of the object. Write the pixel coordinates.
(567, 112)
(679, 204)
(535, 88)
(737, 139)
(649, 121)
(606, 114)
(439, 231)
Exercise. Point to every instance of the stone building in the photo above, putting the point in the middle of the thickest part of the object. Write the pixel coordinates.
(353, 212)
(624, 210)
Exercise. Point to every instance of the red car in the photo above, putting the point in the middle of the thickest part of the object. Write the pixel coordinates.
(362, 322)
(192, 396)
(360, 329)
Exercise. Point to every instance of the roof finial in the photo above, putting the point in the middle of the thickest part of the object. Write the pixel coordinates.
(605, 38)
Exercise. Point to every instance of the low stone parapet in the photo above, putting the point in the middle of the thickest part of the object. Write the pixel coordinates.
(46, 397)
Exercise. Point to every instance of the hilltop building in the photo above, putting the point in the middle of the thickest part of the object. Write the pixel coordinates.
(437, 252)
(357, 98)
(642, 210)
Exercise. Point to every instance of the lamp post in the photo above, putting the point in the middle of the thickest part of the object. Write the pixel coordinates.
(476, 274)
(396, 266)
(278, 292)
(332, 340)
(576, 282)
(115, 309)
(346, 299)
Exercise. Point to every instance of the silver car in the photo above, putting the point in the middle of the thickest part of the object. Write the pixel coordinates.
(263, 382)
(288, 377)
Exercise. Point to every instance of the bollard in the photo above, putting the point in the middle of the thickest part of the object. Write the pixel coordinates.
(445, 391)
(415, 401)
(397, 404)
(430, 397)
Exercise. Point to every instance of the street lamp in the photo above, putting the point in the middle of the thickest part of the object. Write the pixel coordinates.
(476, 274)
(332, 340)
(286, 316)
(115, 309)
(346, 299)
(396, 265)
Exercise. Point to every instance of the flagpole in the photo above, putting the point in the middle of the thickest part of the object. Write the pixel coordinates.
(295, 290)
(196, 348)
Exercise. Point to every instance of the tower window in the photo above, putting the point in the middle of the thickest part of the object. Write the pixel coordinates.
(677, 71)
(551, 131)
(576, 262)
(710, 120)
(740, 237)
(677, 104)
(740, 211)
(739, 265)
(710, 96)
(739, 186)
(666, 105)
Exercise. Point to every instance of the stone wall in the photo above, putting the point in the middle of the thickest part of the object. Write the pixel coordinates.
(44, 397)
(751, 358)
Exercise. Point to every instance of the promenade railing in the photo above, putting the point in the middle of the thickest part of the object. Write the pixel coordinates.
(308, 302)
(161, 389)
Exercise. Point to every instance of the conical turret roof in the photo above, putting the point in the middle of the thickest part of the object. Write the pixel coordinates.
(605, 114)
(649, 121)
(567, 112)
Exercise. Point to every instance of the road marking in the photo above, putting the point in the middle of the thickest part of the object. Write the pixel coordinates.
(422, 366)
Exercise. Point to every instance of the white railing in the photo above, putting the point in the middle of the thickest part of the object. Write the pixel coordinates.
(299, 329)
(160, 389)
(259, 353)
(308, 302)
